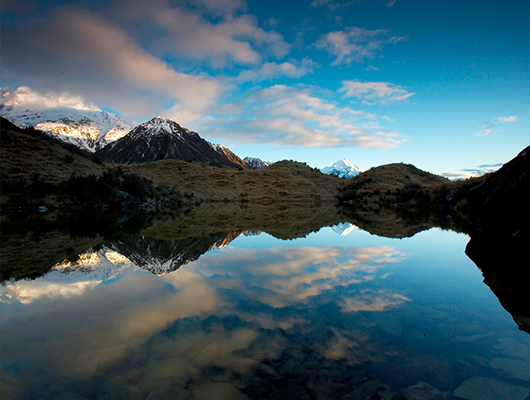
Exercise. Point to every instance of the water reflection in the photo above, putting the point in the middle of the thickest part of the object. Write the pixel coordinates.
(232, 316)
(281, 277)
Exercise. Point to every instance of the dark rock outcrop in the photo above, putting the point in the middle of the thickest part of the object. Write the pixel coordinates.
(501, 203)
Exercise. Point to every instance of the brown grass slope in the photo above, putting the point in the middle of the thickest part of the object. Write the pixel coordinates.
(285, 181)
(26, 155)
(390, 184)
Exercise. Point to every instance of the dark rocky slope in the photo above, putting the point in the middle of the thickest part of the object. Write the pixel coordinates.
(501, 203)
(161, 139)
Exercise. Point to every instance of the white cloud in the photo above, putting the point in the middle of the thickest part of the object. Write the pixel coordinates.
(30, 99)
(355, 44)
(273, 70)
(485, 132)
(391, 4)
(472, 172)
(492, 128)
(282, 115)
(179, 31)
(78, 52)
(375, 92)
(511, 118)
(371, 68)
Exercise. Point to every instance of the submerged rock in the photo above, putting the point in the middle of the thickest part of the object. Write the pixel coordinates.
(217, 391)
(486, 388)
(424, 391)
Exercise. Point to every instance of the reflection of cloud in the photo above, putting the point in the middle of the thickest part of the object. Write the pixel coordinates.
(343, 345)
(280, 277)
(87, 334)
(372, 300)
(90, 332)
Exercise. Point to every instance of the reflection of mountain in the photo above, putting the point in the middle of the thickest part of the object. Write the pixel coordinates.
(504, 265)
(343, 229)
(163, 256)
(68, 278)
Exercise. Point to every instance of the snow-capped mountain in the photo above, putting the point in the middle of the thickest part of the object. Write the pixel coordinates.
(83, 125)
(160, 139)
(256, 163)
(343, 169)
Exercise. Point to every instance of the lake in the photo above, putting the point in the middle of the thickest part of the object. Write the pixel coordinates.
(337, 314)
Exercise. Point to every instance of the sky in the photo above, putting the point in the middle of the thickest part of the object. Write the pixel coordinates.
(442, 85)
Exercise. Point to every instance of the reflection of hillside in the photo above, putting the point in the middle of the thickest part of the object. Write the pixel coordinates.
(279, 220)
(163, 256)
(31, 245)
(29, 255)
(397, 222)
(504, 265)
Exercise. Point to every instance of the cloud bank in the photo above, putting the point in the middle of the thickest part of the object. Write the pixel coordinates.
(282, 115)
(355, 44)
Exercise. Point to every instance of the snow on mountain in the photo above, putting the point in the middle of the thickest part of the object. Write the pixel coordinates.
(344, 228)
(68, 279)
(65, 118)
(160, 139)
(257, 163)
(165, 256)
(343, 169)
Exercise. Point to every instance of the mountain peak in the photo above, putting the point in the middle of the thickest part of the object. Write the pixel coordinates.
(158, 126)
(63, 117)
(161, 138)
(343, 169)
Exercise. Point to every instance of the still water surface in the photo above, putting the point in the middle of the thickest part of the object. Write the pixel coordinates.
(328, 316)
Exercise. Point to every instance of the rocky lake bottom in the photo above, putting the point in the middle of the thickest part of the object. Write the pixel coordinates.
(338, 314)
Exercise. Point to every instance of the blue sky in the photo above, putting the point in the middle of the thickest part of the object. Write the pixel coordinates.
(441, 85)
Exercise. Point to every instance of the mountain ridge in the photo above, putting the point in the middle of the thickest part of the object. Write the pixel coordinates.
(84, 126)
(160, 139)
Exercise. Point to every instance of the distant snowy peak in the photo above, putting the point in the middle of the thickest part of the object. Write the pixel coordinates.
(343, 169)
(257, 163)
(84, 126)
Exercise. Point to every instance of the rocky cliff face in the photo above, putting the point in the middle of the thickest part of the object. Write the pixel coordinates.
(501, 203)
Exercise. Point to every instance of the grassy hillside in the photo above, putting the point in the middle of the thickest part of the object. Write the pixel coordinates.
(392, 183)
(36, 170)
(285, 181)
(29, 157)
